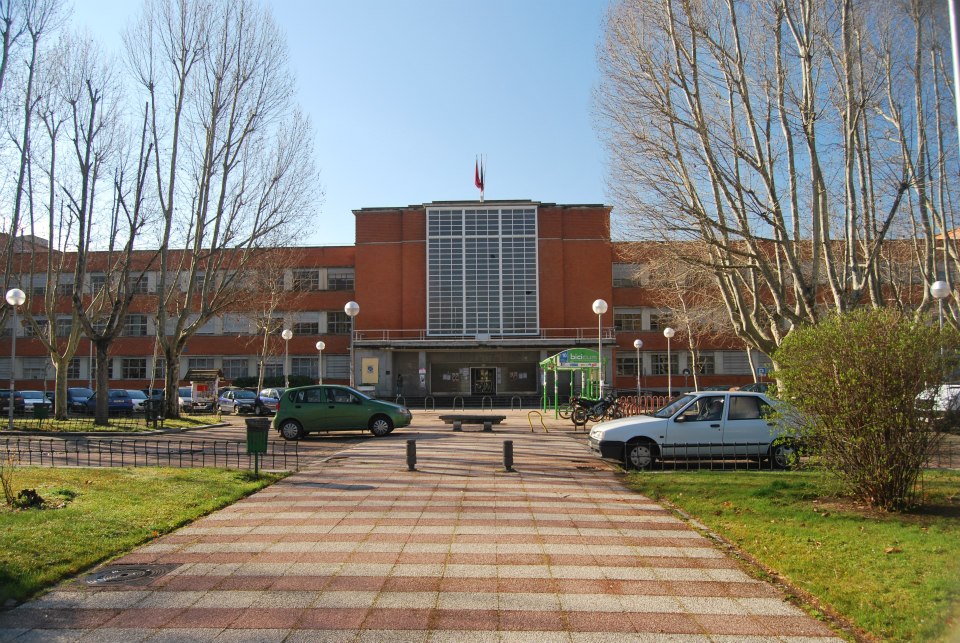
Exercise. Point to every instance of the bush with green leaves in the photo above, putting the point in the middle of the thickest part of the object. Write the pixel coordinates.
(855, 379)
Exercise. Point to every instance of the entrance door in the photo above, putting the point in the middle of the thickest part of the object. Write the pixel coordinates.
(483, 381)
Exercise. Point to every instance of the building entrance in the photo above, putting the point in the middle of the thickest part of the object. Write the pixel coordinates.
(483, 381)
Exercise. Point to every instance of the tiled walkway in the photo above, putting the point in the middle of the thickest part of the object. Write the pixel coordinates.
(361, 549)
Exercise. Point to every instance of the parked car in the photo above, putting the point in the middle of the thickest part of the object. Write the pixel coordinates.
(18, 402)
(940, 400)
(190, 405)
(237, 400)
(32, 399)
(268, 399)
(138, 398)
(77, 398)
(309, 409)
(697, 425)
(118, 402)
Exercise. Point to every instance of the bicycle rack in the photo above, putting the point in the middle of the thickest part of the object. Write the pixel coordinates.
(454, 407)
(483, 402)
(530, 421)
(519, 403)
(433, 403)
(397, 399)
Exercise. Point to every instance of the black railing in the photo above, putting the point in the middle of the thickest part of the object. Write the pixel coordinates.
(127, 452)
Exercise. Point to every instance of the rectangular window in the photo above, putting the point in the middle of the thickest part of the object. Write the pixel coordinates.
(306, 328)
(64, 326)
(306, 280)
(273, 368)
(36, 368)
(482, 272)
(234, 367)
(659, 320)
(306, 366)
(234, 324)
(706, 364)
(660, 363)
(340, 279)
(338, 323)
(42, 325)
(160, 368)
(39, 292)
(626, 275)
(627, 365)
(65, 286)
(73, 369)
(138, 285)
(133, 368)
(200, 363)
(135, 326)
(97, 283)
(627, 321)
(336, 367)
(199, 282)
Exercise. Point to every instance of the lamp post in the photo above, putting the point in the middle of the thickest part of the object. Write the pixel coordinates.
(638, 344)
(16, 298)
(600, 307)
(352, 309)
(668, 333)
(940, 291)
(320, 347)
(287, 334)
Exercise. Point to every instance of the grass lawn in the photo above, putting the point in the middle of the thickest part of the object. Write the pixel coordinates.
(93, 515)
(896, 576)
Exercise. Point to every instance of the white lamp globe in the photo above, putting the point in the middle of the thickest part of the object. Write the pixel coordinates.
(669, 332)
(939, 289)
(321, 346)
(638, 344)
(599, 307)
(352, 308)
(16, 297)
(287, 333)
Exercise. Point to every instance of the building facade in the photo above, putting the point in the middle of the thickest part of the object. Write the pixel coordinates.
(460, 298)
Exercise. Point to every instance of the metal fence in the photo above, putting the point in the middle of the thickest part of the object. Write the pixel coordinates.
(756, 456)
(127, 452)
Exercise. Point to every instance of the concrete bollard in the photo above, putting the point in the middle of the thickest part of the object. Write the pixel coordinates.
(411, 455)
(508, 455)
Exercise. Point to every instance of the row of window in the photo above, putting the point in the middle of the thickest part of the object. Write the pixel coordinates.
(139, 368)
(137, 325)
(707, 363)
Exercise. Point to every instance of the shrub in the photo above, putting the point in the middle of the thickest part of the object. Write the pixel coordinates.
(855, 379)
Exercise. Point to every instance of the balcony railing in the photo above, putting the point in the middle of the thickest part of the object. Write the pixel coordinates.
(583, 335)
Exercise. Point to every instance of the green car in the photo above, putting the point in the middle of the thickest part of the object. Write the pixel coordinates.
(310, 409)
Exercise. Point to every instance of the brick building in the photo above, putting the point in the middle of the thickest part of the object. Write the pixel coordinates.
(456, 298)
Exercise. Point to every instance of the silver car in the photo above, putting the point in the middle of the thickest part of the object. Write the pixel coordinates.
(709, 424)
(268, 399)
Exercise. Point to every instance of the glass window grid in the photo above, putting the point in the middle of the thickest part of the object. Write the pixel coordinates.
(627, 321)
(133, 368)
(336, 367)
(340, 279)
(35, 368)
(306, 366)
(64, 326)
(338, 323)
(135, 326)
(97, 282)
(485, 282)
(234, 367)
(659, 363)
(42, 323)
(205, 363)
(140, 287)
(73, 369)
(306, 280)
(626, 365)
(306, 328)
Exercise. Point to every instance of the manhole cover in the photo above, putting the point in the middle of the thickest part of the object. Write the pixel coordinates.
(127, 574)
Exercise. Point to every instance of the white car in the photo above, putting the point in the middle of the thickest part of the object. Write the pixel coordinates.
(709, 424)
(138, 398)
(940, 400)
(32, 399)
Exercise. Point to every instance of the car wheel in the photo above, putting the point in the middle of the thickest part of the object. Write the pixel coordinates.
(380, 425)
(782, 455)
(641, 455)
(291, 430)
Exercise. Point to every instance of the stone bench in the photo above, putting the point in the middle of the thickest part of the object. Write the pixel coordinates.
(460, 419)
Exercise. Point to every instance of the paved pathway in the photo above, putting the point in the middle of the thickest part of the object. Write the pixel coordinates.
(360, 549)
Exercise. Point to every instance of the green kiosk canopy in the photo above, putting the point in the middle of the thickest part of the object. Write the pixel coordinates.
(573, 360)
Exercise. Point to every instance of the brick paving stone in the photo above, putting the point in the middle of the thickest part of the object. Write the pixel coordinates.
(360, 549)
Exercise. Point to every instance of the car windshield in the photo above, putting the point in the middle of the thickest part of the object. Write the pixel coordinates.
(80, 392)
(32, 395)
(140, 395)
(671, 408)
(119, 394)
(185, 391)
(247, 395)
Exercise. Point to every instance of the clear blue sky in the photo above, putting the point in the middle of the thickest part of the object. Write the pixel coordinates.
(403, 94)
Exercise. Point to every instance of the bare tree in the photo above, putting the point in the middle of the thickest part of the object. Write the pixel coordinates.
(233, 157)
(775, 133)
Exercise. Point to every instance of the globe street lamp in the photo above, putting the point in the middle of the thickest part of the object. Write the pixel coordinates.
(16, 298)
(940, 290)
(352, 309)
(638, 344)
(320, 347)
(600, 307)
(287, 334)
(668, 333)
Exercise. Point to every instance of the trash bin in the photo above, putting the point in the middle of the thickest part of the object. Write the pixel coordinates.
(41, 412)
(258, 430)
(153, 411)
